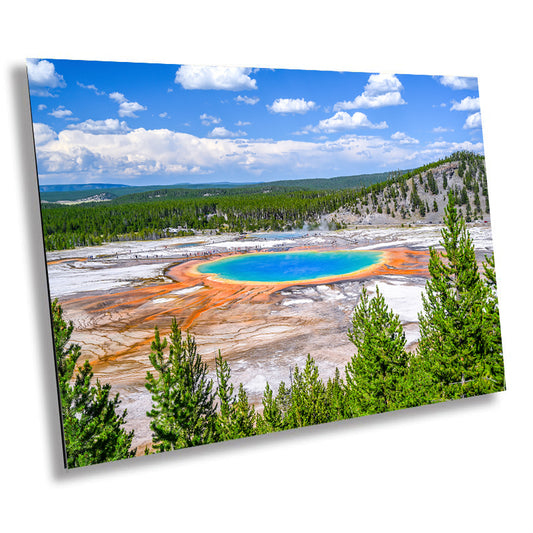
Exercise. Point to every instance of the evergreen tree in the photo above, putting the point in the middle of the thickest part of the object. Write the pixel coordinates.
(459, 345)
(243, 416)
(183, 406)
(226, 399)
(335, 397)
(492, 336)
(92, 428)
(376, 374)
(307, 397)
(236, 418)
(272, 418)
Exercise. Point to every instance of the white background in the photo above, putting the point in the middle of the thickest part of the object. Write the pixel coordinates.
(456, 467)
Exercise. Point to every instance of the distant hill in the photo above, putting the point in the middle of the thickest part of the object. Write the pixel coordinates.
(340, 182)
(421, 195)
(80, 187)
(75, 192)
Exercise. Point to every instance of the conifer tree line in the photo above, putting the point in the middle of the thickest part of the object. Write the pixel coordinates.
(151, 215)
(459, 355)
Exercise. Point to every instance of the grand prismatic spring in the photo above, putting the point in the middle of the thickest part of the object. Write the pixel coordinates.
(294, 266)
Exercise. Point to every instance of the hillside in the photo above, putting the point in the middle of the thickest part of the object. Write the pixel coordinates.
(421, 195)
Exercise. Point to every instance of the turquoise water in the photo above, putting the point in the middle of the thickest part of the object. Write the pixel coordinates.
(290, 266)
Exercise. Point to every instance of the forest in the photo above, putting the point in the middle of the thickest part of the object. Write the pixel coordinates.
(160, 213)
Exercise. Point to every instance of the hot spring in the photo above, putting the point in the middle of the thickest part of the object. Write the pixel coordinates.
(280, 267)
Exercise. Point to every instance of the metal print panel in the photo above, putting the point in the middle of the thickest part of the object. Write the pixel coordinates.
(238, 251)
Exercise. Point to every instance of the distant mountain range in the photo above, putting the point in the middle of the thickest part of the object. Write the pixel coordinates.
(77, 191)
(80, 187)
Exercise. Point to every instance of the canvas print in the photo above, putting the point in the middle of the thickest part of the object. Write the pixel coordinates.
(240, 251)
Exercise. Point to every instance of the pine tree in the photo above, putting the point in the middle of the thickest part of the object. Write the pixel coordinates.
(335, 397)
(307, 397)
(459, 345)
(272, 418)
(376, 374)
(243, 416)
(492, 336)
(226, 399)
(183, 406)
(92, 429)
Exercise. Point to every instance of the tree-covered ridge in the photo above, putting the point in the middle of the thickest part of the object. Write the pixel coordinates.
(152, 214)
(422, 194)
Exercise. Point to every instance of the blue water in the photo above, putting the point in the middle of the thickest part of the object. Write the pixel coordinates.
(290, 266)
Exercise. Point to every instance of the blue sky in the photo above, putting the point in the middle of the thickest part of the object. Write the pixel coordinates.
(139, 124)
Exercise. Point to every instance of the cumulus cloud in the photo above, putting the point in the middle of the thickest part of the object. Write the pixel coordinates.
(246, 100)
(126, 108)
(466, 104)
(221, 132)
(98, 127)
(381, 90)
(163, 115)
(42, 133)
(344, 121)
(444, 147)
(473, 121)
(403, 138)
(458, 82)
(61, 112)
(219, 78)
(242, 123)
(41, 107)
(291, 105)
(143, 152)
(207, 120)
(42, 76)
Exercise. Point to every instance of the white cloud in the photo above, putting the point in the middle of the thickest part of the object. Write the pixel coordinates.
(291, 105)
(163, 115)
(207, 120)
(473, 121)
(91, 87)
(221, 78)
(440, 129)
(221, 132)
(466, 104)
(242, 123)
(98, 127)
(443, 147)
(42, 133)
(344, 121)
(61, 112)
(41, 107)
(126, 108)
(403, 138)
(458, 82)
(77, 154)
(118, 97)
(42, 76)
(246, 100)
(140, 152)
(381, 90)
